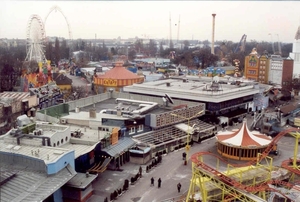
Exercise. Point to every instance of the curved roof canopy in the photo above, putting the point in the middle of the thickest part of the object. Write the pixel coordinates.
(119, 72)
(244, 137)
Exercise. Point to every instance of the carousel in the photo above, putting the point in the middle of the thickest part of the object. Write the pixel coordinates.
(241, 144)
(116, 79)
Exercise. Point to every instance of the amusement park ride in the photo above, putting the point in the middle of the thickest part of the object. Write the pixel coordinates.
(35, 44)
(250, 181)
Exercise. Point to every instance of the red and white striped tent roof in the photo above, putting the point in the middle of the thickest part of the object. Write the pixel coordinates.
(9, 97)
(244, 137)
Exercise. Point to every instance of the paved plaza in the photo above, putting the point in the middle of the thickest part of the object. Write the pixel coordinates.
(171, 171)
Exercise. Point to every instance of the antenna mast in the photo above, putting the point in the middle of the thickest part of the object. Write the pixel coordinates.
(178, 30)
(170, 33)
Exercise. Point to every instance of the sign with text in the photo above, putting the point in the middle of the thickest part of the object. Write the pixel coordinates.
(110, 82)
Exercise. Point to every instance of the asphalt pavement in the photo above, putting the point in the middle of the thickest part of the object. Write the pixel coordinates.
(171, 171)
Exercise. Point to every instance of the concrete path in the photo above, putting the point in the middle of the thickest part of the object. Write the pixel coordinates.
(171, 171)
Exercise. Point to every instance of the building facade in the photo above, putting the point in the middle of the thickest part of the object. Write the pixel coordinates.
(276, 69)
(252, 66)
(287, 73)
(263, 69)
(295, 55)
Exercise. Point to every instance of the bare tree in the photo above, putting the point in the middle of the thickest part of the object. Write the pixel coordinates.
(57, 51)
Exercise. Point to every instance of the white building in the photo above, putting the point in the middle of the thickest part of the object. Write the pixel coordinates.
(275, 70)
(295, 55)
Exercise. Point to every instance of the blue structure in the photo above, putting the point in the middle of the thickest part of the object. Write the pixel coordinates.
(214, 70)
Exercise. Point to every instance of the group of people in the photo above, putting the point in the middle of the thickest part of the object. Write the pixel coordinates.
(159, 184)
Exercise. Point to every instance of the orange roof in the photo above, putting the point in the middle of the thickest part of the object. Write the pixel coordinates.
(119, 72)
(243, 137)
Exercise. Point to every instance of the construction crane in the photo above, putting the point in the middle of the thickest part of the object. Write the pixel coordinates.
(279, 44)
(272, 43)
(241, 44)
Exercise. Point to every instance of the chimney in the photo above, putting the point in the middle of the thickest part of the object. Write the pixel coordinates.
(213, 35)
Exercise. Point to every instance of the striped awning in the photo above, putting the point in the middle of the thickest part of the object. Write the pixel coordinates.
(243, 137)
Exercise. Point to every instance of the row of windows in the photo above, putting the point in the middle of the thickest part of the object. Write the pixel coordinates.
(262, 62)
(277, 68)
(61, 142)
(261, 72)
(140, 128)
(251, 71)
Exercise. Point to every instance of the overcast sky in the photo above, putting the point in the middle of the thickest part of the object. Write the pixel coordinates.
(150, 19)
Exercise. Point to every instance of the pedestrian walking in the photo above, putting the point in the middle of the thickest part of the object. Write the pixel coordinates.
(159, 182)
(140, 171)
(117, 166)
(178, 187)
(152, 181)
(183, 156)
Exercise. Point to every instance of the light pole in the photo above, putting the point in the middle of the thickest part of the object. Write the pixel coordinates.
(187, 147)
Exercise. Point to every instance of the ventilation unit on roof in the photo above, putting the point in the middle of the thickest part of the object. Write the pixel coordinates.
(64, 121)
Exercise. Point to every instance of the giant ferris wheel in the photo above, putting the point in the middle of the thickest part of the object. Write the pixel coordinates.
(35, 39)
(36, 36)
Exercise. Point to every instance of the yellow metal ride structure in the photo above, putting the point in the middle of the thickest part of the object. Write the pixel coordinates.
(249, 182)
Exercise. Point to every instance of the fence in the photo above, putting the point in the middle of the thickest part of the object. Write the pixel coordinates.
(83, 102)
(45, 117)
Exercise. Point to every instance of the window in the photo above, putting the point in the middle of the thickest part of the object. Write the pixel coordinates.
(251, 72)
(132, 130)
(112, 122)
(141, 128)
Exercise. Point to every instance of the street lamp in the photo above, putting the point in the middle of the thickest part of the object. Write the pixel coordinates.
(187, 147)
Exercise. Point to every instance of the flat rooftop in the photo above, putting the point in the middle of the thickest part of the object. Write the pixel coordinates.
(195, 88)
(32, 147)
(112, 104)
(45, 153)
